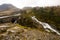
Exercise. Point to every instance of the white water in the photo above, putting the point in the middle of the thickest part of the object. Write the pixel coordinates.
(45, 25)
(16, 20)
(10, 16)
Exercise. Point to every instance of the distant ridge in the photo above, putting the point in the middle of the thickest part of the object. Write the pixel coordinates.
(8, 9)
(7, 6)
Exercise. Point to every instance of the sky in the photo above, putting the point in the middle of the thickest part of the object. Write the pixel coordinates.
(31, 3)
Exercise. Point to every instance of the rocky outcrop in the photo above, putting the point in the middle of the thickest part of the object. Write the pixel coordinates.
(16, 32)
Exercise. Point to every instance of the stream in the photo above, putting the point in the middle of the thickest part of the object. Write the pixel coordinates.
(45, 25)
(10, 16)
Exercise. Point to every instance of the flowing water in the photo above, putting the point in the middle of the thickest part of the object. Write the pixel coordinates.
(9, 16)
(45, 25)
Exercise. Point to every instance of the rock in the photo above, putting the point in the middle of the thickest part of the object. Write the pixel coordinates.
(15, 30)
(18, 33)
(4, 27)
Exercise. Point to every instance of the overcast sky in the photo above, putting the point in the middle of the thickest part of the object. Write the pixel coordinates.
(33, 3)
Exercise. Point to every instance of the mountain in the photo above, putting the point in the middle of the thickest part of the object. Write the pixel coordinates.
(7, 9)
(27, 8)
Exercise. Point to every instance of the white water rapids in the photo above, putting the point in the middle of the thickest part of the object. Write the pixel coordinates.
(45, 25)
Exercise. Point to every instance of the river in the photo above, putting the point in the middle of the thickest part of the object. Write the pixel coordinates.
(45, 25)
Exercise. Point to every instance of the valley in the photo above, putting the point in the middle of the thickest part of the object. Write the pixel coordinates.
(29, 23)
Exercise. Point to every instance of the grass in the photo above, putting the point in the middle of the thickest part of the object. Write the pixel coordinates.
(21, 26)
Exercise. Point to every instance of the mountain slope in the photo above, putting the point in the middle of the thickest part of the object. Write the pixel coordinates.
(7, 9)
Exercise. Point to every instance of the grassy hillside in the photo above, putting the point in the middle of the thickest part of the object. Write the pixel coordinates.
(27, 29)
(49, 15)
